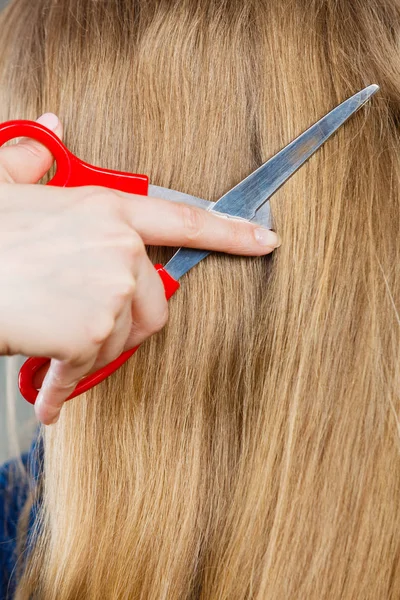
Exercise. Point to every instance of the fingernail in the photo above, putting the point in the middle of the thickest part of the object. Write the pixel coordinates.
(49, 120)
(266, 237)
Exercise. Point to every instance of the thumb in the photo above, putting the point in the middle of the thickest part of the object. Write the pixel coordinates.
(60, 381)
(29, 160)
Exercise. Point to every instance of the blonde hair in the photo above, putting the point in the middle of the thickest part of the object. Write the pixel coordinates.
(251, 449)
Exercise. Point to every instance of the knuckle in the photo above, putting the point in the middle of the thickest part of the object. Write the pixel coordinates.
(122, 293)
(240, 237)
(97, 330)
(106, 205)
(33, 149)
(134, 246)
(159, 321)
(193, 222)
(126, 288)
(100, 198)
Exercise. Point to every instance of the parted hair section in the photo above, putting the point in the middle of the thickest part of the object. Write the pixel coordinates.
(251, 448)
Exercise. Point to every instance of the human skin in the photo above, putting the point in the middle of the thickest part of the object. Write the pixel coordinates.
(78, 285)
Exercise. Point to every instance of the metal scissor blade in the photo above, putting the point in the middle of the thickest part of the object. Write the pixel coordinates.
(173, 196)
(251, 193)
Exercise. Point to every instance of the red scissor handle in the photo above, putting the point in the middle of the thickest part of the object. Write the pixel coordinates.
(73, 172)
(32, 365)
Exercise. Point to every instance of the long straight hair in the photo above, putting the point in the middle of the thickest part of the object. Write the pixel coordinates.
(251, 449)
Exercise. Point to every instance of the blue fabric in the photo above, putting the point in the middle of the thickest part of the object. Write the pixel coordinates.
(14, 489)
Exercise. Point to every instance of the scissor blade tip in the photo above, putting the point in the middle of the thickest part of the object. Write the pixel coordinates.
(362, 96)
(370, 90)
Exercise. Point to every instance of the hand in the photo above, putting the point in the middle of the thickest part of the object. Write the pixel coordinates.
(77, 283)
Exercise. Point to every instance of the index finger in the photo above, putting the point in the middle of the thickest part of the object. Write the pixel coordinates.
(163, 223)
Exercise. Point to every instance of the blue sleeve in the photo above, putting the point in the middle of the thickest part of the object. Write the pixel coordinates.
(14, 490)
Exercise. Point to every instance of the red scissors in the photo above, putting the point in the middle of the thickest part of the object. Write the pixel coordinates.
(248, 200)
